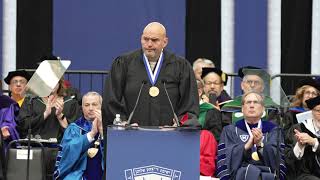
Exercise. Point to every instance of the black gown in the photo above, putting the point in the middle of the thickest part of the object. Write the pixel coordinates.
(290, 120)
(125, 79)
(46, 128)
(213, 122)
(308, 167)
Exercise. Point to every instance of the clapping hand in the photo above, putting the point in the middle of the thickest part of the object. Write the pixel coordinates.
(257, 136)
(5, 132)
(98, 118)
(59, 104)
(49, 106)
(304, 138)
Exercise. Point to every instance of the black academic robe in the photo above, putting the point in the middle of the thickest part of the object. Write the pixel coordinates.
(289, 120)
(309, 164)
(213, 122)
(234, 161)
(125, 79)
(46, 128)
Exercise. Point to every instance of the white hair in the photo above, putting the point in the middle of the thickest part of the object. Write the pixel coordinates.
(205, 61)
(92, 93)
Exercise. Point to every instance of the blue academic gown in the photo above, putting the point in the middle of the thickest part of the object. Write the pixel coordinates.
(236, 163)
(72, 160)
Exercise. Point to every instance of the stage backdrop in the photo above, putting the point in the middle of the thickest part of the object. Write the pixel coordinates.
(92, 33)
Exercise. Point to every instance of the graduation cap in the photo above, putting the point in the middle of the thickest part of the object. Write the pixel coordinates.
(313, 102)
(311, 82)
(207, 70)
(21, 73)
(251, 70)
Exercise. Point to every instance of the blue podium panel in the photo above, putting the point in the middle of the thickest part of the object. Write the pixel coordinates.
(156, 154)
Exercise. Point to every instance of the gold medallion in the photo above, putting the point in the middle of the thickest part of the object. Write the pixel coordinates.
(92, 152)
(255, 156)
(154, 91)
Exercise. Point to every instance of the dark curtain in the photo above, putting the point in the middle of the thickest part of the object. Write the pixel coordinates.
(203, 29)
(34, 32)
(295, 41)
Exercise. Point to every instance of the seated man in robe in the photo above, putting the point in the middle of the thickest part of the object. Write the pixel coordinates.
(250, 148)
(303, 154)
(9, 109)
(209, 89)
(253, 79)
(17, 81)
(80, 155)
(198, 66)
(214, 80)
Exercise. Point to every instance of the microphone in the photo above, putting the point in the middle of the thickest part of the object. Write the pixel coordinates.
(213, 98)
(70, 99)
(175, 117)
(143, 82)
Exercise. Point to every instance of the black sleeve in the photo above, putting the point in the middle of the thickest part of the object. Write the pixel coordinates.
(189, 99)
(289, 122)
(30, 111)
(226, 118)
(72, 110)
(113, 92)
(213, 122)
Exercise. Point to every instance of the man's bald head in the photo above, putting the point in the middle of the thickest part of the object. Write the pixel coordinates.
(153, 40)
(155, 27)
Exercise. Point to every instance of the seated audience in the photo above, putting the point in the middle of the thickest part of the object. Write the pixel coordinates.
(80, 155)
(17, 81)
(308, 89)
(49, 116)
(303, 154)
(248, 149)
(253, 79)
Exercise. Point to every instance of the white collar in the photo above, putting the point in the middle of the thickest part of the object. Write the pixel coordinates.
(311, 126)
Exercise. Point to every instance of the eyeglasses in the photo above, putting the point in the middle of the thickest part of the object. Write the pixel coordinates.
(316, 110)
(311, 93)
(21, 81)
(252, 102)
(208, 83)
(252, 82)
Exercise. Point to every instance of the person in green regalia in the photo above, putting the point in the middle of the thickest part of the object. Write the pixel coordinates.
(209, 89)
(256, 79)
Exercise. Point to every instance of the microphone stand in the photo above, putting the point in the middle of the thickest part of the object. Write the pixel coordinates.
(174, 114)
(135, 106)
(29, 135)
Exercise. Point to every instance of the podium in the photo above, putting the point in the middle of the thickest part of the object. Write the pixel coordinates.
(153, 154)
